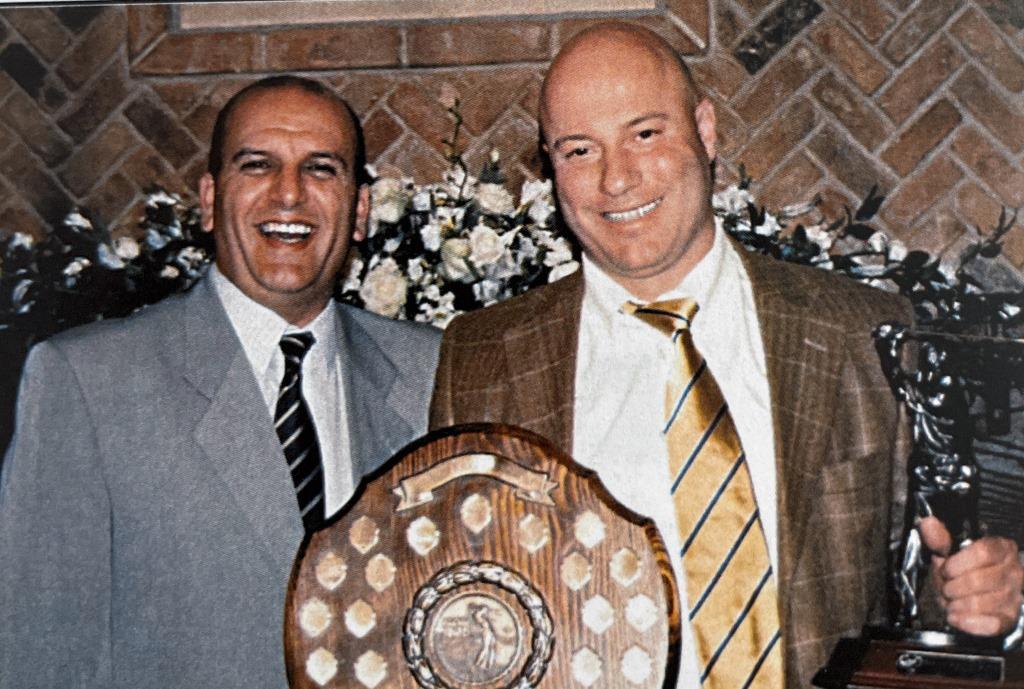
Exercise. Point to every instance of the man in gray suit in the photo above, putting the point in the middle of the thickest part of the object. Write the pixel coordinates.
(153, 497)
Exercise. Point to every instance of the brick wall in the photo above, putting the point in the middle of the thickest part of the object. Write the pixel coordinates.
(924, 98)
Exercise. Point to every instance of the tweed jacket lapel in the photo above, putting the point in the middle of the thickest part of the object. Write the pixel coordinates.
(541, 354)
(236, 431)
(803, 356)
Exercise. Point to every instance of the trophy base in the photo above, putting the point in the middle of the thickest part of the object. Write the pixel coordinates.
(890, 659)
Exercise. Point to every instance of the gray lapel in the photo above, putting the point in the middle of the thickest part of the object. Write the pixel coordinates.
(236, 432)
(379, 420)
(803, 359)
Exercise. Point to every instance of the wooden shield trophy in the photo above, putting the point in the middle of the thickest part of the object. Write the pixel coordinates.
(482, 558)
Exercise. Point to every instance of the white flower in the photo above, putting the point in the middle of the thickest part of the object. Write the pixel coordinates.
(414, 269)
(795, 210)
(155, 240)
(559, 272)
(192, 255)
(770, 227)
(527, 249)
(388, 200)
(77, 221)
(18, 295)
(558, 251)
(391, 245)
(454, 253)
(352, 281)
(1008, 311)
(878, 241)
(820, 237)
(535, 190)
(450, 214)
(76, 266)
(537, 195)
(948, 271)
(174, 229)
(871, 270)
(421, 200)
(732, 200)
(431, 236)
(487, 291)
(161, 198)
(504, 268)
(384, 290)
(456, 177)
(485, 246)
(127, 248)
(20, 240)
(897, 250)
(190, 259)
(494, 198)
(170, 272)
(540, 212)
(440, 314)
(108, 257)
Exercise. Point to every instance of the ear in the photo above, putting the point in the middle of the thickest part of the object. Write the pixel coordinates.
(207, 194)
(362, 212)
(704, 115)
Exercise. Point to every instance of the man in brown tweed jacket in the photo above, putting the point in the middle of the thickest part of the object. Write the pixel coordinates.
(631, 145)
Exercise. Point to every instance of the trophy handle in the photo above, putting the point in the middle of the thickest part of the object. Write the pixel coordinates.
(418, 489)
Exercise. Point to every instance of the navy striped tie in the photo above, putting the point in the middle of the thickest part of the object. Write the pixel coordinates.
(295, 429)
(730, 586)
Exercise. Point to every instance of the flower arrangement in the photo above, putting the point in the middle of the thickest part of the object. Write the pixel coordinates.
(437, 250)
(79, 273)
(948, 292)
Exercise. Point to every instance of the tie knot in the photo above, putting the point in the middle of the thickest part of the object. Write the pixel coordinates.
(669, 316)
(294, 346)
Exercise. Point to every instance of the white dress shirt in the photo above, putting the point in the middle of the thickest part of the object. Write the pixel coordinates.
(260, 330)
(623, 366)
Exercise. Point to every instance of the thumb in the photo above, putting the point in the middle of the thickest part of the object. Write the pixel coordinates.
(935, 536)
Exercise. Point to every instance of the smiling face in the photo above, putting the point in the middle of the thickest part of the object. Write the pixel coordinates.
(631, 153)
(285, 202)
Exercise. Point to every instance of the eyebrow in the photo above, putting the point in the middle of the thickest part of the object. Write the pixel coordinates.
(632, 123)
(245, 152)
(649, 116)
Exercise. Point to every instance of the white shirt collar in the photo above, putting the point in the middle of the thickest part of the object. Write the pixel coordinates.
(260, 329)
(608, 296)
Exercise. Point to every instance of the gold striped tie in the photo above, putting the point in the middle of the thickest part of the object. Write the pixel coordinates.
(730, 586)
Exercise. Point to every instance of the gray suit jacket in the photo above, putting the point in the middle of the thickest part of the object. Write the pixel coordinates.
(148, 521)
(839, 447)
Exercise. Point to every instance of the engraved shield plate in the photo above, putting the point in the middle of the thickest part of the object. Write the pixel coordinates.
(482, 558)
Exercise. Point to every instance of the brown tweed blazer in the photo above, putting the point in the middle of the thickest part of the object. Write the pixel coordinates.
(839, 442)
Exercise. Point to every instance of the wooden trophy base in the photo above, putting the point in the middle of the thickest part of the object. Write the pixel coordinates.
(888, 659)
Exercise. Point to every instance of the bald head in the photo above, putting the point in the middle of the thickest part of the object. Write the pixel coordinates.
(612, 43)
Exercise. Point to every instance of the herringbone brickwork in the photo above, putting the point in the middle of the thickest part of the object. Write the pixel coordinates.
(924, 98)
